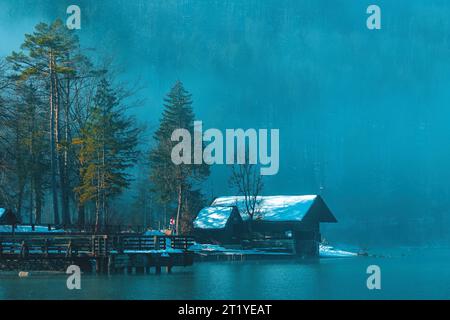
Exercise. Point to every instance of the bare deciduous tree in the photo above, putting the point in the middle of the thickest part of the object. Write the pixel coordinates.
(246, 179)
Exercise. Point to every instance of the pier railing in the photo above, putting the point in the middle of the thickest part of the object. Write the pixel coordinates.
(86, 228)
(25, 246)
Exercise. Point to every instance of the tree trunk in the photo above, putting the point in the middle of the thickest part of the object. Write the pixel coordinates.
(33, 168)
(103, 185)
(38, 201)
(98, 202)
(81, 215)
(60, 157)
(97, 214)
(164, 218)
(180, 199)
(52, 143)
(65, 161)
(20, 199)
(31, 201)
(250, 226)
(104, 209)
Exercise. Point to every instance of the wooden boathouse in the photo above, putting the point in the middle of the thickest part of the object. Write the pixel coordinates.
(295, 219)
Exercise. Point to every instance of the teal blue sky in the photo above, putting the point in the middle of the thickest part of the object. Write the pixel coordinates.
(363, 115)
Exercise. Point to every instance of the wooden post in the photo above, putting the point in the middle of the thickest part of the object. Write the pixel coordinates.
(24, 250)
(69, 249)
(93, 250)
(110, 264)
(121, 245)
(105, 239)
(94, 266)
(103, 265)
(157, 264)
(46, 242)
(156, 242)
(140, 270)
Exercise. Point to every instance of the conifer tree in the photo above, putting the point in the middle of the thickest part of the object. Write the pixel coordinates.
(46, 57)
(108, 148)
(173, 182)
(3, 136)
(32, 147)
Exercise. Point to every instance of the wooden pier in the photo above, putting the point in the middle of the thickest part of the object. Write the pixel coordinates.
(131, 253)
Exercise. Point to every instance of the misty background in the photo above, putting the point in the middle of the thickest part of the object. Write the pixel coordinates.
(363, 115)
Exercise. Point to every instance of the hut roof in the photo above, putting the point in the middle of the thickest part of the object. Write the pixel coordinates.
(215, 217)
(269, 209)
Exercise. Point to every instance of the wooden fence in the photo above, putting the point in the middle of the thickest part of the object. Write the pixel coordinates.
(57, 246)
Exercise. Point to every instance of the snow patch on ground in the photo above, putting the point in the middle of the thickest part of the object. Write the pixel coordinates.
(167, 251)
(28, 229)
(330, 252)
(213, 248)
(324, 251)
(154, 233)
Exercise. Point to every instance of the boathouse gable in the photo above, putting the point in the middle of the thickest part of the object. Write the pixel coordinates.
(219, 223)
(7, 217)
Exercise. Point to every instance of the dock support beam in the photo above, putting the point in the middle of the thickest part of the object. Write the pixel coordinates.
(158, 269)
(140, 270)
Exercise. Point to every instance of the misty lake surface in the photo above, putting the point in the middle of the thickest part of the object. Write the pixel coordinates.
(405, 274)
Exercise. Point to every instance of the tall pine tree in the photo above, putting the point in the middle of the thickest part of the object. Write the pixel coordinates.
(31, 147)
(172, 182)
(50, 55)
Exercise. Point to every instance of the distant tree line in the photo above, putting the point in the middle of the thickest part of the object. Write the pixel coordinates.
(68, 143)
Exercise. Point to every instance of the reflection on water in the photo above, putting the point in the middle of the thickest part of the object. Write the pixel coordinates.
(418, 274)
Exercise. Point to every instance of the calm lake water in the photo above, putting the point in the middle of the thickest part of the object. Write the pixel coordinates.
(405, 274)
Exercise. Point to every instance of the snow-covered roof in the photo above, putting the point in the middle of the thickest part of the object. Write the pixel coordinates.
(213, 217)
(272, 208)
(269, 208)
